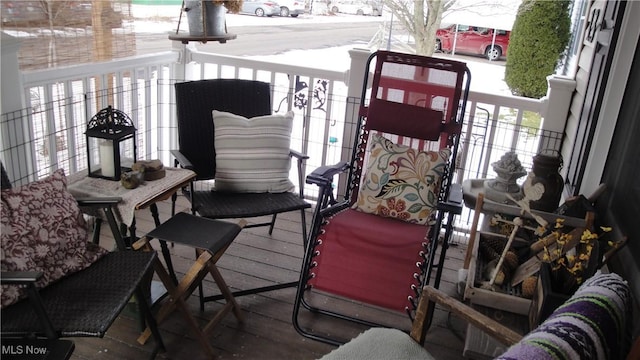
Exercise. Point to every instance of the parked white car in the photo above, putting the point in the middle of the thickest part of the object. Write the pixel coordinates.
(356, 7)
(291, 8)
(260, 7)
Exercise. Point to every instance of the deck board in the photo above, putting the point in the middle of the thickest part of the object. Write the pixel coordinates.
(258, 259)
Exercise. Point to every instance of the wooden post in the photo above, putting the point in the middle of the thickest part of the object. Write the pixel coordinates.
(558, 100)
(102, 49)
(474, 230)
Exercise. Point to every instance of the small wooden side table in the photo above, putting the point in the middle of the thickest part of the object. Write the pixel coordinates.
(144, 196)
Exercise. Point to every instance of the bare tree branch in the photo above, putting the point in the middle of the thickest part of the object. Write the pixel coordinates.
(422, 18)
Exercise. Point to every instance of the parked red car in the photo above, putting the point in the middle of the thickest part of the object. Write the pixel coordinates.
(473, 40)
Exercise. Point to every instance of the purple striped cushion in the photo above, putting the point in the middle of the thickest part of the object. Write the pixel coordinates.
(590, 325)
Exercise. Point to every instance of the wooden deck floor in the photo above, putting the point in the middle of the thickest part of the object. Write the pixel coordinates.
(257, 259)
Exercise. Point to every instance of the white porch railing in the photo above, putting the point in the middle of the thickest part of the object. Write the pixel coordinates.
(48, 130)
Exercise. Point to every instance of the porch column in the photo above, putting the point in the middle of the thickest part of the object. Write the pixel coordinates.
(557, 101)
(12, 108)
(354, 80)
(182, 69)
(12, 97)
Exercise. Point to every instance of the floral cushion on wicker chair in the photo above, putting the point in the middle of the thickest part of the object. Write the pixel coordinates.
(401, 182)
(43, 230)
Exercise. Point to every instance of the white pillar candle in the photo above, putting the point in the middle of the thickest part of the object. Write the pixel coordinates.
(106, 159)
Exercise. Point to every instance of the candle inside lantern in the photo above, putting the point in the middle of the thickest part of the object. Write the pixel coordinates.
(106, 159)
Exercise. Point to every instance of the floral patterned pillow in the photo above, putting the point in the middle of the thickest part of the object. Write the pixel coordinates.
(43, 230)
(401, 182)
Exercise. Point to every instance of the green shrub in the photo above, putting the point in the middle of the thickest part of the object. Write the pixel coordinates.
(538, 40)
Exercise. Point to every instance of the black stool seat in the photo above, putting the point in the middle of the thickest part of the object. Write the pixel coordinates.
(198, 232)
(210, 238)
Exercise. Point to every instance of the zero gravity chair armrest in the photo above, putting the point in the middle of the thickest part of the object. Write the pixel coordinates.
(323, 175)
(323, 178)
(453, 204)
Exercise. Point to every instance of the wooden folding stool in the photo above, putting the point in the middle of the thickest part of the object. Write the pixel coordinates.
(210, 238)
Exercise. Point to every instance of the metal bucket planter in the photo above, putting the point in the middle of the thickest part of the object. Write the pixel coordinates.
(213, 19)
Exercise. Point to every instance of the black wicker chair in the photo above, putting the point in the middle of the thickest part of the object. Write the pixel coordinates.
(82, 304)
(195, 101)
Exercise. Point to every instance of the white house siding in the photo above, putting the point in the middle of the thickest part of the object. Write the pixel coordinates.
(607, 118)
(614, 90)
(585, 59)
(620, 68)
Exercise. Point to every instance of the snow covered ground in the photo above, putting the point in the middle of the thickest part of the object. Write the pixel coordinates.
(149, 14)
(485, 76)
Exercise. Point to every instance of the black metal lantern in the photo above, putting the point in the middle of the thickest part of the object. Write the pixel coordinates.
(111, 144)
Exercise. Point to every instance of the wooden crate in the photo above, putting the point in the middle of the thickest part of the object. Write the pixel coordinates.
(505, 297)
(481, 346)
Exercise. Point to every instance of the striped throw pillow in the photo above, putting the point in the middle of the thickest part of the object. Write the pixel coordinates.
(252, 155)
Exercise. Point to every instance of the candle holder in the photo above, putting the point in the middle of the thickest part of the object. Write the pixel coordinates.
(111, 144)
